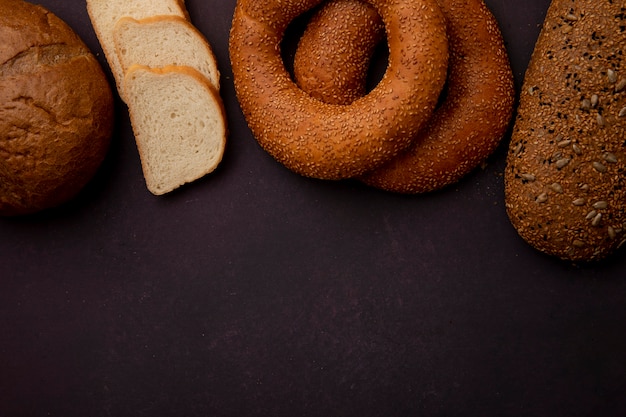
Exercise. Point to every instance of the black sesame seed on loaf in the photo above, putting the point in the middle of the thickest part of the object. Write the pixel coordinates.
(565, 180)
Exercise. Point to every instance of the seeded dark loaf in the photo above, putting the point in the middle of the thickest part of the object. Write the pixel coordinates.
(56, 110)
(565, 180)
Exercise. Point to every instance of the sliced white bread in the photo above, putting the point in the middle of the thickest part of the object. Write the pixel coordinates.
(179, 124)
(104, 15)
(160, 41)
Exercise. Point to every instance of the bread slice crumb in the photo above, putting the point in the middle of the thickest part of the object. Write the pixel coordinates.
(179, 124)
(173, 41)
(104, 15)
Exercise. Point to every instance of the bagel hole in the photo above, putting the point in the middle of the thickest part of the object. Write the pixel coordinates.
(378, 65)
(292, 36)
(443, 94)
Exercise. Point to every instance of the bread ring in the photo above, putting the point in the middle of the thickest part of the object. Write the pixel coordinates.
(325, 141)
(469, 124)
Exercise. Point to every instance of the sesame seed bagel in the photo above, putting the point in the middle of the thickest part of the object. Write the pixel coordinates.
(469, 124)
(565, 180)
(329, 141)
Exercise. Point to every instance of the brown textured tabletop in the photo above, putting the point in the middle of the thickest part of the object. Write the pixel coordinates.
(256, 292)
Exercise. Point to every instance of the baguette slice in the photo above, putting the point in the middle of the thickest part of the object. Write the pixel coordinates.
(104, 15)
(179, 124)
(160, 41)
(565, 180)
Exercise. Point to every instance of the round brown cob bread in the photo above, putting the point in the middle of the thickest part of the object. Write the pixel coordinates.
(56, 110)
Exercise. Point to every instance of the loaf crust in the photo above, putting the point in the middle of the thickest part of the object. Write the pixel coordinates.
(565, 180)
(56, 110)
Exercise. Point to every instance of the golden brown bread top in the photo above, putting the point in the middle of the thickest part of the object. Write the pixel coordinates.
(23, 26)
(56, 110)
(566, 168)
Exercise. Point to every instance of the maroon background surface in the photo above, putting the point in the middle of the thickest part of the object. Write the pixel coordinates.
(255, 292)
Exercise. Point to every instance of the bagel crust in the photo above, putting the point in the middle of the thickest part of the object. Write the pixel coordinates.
(464, 130)
(327, 141)
(332, 60)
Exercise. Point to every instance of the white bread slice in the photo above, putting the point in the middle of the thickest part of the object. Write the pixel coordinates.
(104, 14)
(160, 41)
(179, 124)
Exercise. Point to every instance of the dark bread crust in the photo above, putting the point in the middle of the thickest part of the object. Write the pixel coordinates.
(56, 110)
(565, 180)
